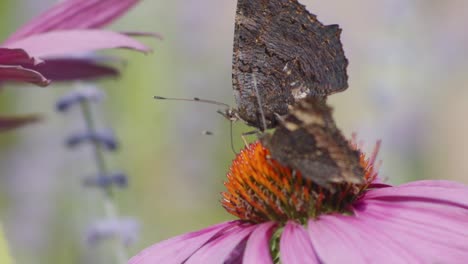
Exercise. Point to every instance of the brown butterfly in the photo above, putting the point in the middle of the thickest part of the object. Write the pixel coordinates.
(308, 140)
(291, 54)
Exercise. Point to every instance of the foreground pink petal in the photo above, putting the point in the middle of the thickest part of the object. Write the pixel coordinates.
(295, 245)
(12, 122)
(432, 190)
(20, 74)
(178, 249)
(434, 183)
(429, 218)
(345, 239)
(59, 43)
(226, 248)
(420, 222)
(335, 245)
(15, 57)
(68, 69)
(258, 246)
(75, 14)
(15, 65)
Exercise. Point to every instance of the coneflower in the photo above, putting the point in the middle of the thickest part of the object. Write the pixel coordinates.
(284, 218)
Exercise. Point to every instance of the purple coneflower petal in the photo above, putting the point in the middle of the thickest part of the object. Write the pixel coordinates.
(67, 69)
(20, 74)
(421, 222)
(258, 246)
(295, 245)
(429, 218)
(434, 183)
(438, 192)
(224, 248)
(178, 249)
(333, 245)
(348, 239)
(75, 14)
(58, 43)
(11, 122)
(418, 234)
(16, 57)
(142, 34)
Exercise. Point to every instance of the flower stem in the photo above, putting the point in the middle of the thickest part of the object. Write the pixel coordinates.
(110, 209)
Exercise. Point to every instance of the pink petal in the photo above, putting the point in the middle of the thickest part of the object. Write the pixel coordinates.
(258, 246)
(178, 249)
(15, 57)
(420, 222)
(435, 192)
(58, 43)
(18, 73)
(142, 34)
(424, 228)
(295, 245)
(404, 208)
(435, 183)
(220, 249)
(348, 239)
(329, 239)
(12, 122)
(74, 69)
(75, 14)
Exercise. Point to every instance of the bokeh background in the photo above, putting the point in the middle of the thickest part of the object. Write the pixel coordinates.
(408, 86)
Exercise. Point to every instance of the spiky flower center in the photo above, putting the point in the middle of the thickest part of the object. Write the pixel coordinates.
(260, 189)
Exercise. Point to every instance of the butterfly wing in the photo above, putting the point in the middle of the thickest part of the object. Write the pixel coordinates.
(290, 52)
(309, 141)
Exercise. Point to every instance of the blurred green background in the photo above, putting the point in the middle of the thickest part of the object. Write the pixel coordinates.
(408, 87)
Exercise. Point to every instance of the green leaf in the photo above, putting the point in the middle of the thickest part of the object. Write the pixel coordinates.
(4, 253)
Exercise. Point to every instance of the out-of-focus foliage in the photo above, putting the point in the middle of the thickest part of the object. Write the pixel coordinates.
(4, 253)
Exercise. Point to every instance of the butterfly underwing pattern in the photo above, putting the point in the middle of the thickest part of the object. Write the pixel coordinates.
(291, 54)
(308, 141)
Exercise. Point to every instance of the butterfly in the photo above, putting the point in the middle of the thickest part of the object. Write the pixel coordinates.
(290, 54)
(308, 140)
(285, 64)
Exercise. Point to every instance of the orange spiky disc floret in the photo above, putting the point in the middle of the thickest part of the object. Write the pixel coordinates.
(260, 189)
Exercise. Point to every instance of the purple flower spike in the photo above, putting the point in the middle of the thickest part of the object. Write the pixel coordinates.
(125, 229)
(89, 94)
(287, 219)
(118, 179)
(105, 139)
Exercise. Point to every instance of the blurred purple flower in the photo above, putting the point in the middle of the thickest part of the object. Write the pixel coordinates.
(70, 27)
(11, 122)
(126, 229)
(45, 49)
(418, 222)
(17, 65)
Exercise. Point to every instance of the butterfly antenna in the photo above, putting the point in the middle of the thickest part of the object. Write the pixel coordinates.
(259, 101)
(195, 99)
